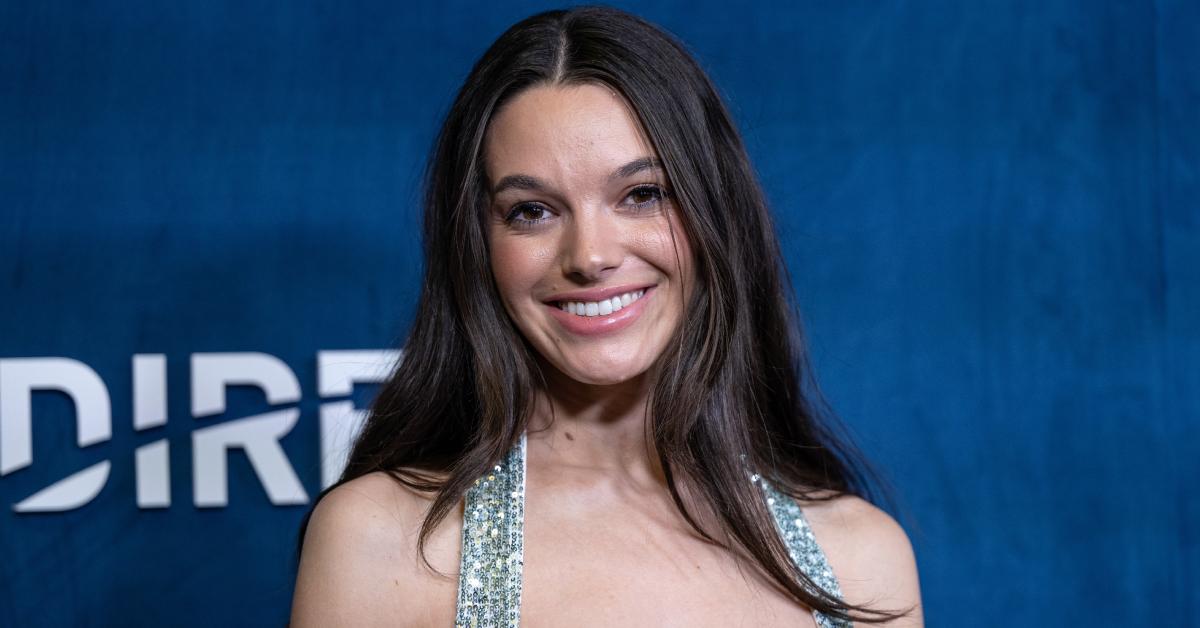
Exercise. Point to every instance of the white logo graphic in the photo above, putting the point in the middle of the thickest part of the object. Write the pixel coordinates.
(211, 375)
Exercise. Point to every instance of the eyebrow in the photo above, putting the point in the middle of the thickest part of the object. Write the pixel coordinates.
(526, 182)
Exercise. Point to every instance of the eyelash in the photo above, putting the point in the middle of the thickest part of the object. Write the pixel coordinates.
(659, 195)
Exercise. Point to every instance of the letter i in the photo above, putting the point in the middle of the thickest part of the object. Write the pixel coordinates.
(151, 462)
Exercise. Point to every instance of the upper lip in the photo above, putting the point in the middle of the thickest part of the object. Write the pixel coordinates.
(597, 294)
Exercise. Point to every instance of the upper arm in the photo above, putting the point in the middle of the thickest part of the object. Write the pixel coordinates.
(871, 556)
(356, 563)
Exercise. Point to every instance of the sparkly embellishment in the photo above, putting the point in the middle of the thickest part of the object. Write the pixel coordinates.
(493, 539)
(489, 585)
(803, 549)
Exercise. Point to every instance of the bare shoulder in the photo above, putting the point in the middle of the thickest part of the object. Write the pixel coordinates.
(870, 554)
(360, 566)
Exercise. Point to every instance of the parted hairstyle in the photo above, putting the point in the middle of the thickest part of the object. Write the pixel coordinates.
(733, 391)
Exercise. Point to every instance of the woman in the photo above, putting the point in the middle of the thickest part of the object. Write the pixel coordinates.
(604, 380)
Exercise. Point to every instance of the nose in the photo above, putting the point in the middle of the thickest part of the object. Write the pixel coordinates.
(592, 247)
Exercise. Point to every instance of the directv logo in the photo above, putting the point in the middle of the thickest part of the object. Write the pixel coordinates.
(211, 375)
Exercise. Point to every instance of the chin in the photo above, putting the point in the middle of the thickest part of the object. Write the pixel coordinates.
(603, 376)
(607, 380)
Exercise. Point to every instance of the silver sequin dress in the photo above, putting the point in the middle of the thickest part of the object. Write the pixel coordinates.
(493, 537)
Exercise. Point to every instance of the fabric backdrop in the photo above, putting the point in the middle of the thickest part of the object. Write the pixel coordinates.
(990, 211)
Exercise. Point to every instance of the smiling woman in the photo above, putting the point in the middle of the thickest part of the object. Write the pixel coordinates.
(605, 414)
(583, 252)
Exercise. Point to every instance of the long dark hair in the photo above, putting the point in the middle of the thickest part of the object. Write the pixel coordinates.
(734, 391)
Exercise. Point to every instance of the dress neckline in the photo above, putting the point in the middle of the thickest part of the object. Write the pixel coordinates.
(493, 546)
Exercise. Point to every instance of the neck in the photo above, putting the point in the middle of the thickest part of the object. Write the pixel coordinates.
(600, 428)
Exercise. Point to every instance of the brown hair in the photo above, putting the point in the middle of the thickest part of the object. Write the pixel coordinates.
(735, 390)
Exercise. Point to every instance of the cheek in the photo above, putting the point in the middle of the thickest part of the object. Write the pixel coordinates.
(517, 265)
(664, 244)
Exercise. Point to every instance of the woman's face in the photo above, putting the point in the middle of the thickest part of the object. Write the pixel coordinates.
(580, 224)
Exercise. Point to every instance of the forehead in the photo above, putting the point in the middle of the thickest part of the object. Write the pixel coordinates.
(562, 132)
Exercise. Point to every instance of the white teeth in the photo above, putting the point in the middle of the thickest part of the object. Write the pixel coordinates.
(601, 308)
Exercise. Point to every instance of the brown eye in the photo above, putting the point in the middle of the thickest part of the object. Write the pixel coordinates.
(646, 195)
(527, 214)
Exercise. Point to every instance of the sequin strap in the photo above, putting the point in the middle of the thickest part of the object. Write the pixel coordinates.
(802, 547)
(489, 581)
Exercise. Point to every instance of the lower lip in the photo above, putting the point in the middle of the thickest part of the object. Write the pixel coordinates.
(600, 325)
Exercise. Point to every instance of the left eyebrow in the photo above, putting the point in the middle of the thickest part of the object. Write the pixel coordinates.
(526, 182)
(634, 167)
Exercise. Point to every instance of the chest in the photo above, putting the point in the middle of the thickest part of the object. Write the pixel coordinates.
(636, 567)
(604, 565)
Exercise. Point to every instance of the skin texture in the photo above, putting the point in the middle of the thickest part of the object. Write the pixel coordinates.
(586, 228)
(604, 544)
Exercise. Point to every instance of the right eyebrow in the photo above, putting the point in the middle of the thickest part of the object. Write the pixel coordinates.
(519, 182)
(526, 182)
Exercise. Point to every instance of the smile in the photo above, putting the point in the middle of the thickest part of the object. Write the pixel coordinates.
(605, 316)
(603, 307)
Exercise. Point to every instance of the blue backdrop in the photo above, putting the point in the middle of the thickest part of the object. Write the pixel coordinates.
(991, 213)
